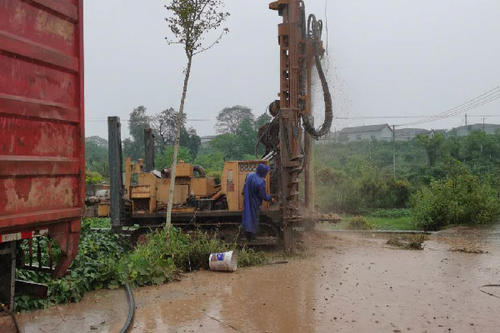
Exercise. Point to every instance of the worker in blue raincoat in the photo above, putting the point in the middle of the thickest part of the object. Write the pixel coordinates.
(254, 192)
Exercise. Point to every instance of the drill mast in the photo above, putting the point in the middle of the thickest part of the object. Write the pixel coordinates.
(300, 45)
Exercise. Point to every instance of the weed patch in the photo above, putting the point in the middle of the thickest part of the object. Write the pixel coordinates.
(408, 242)
(359, 223)
(93, 268)
(103, 262)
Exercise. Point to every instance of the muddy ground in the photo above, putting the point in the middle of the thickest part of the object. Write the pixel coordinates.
(342, 283)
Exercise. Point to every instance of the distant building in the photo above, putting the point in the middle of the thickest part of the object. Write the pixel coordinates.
(372, 132)
(465, 130)
(328, 138)
(207, 139)
(408, 134)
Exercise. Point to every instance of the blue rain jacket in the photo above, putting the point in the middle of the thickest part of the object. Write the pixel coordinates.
(254, 192)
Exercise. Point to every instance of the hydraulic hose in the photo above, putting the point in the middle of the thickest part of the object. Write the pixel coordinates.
(314, 31)
(131, 309)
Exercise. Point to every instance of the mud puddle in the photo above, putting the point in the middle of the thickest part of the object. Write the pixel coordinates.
(343, 283)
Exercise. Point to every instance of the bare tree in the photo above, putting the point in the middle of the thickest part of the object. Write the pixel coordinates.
(164, 125)
(189, 22)
(229, 119)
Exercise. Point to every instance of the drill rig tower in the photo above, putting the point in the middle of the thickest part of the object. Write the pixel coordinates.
(300, 50)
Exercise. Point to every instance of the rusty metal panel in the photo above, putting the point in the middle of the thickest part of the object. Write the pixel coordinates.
(42, 164)
(233, 182)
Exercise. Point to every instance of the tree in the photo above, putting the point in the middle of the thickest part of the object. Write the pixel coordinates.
(262, 120)
(163, 125)
(166, 159)
(96, 155)
(226, 144)
(189, 23)
(431, 144)
(246, 137)
(190, 140)
(138, 121)
(229, 119)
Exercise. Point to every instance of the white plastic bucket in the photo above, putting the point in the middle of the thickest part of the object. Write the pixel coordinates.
(225, 261)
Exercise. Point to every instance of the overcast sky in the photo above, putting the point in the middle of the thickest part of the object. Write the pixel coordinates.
(386, 58)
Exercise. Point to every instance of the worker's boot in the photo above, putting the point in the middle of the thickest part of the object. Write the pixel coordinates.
(250, 236)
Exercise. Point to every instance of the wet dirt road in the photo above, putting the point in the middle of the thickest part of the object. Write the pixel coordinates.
(343, 283)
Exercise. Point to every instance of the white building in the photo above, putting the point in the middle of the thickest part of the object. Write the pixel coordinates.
(381, 132)
(465, 130)
(408, 134)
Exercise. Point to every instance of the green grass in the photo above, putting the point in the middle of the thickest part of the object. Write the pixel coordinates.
(392, 223)
(98, 222)
(379, 223)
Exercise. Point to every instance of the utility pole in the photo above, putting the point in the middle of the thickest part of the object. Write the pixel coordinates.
(466, 120)
(115, 172)
(394, 150)
(149, 149)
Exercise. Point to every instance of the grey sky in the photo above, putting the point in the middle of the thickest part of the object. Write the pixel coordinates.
(386, 57)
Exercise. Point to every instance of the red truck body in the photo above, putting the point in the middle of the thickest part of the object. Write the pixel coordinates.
(42, 162)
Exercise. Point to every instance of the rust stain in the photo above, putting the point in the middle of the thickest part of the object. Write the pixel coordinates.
(37, 193)
(49, 23)
(23, 188)
(19, 16)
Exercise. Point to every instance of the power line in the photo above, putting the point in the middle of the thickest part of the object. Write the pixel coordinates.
(188, 120)
(409, 117)
(484, 98)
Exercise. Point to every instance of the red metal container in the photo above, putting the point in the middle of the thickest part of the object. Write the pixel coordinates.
(42, 162)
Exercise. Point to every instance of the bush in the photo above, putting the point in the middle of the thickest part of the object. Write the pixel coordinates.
(98, 222)
(408, 242)
(359, 191)
(166, 159)
(164, 255)
(93, 268)
(93, 177)
(459, 199)
(359, 223)
(250, 257)
(102, 262)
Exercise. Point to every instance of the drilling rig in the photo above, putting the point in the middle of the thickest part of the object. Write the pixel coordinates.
(301, 49)
(288, 141)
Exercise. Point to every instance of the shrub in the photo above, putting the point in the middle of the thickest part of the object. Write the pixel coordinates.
(359, 223)
(93, 177)
(459, 199)
(150, 262)
(250, 257)
(93, 268)
(102, 262)
(409, 242)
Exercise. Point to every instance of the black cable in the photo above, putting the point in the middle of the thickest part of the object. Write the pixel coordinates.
(314, 28)
(489, 285)
(131, 309)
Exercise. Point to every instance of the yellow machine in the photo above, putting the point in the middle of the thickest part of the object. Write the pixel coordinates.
(148, 192)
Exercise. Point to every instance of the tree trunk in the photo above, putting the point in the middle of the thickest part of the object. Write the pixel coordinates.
(173, 169)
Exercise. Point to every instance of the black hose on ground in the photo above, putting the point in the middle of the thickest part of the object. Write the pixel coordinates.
(489, 286)
(314, 31)
(131, 309)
